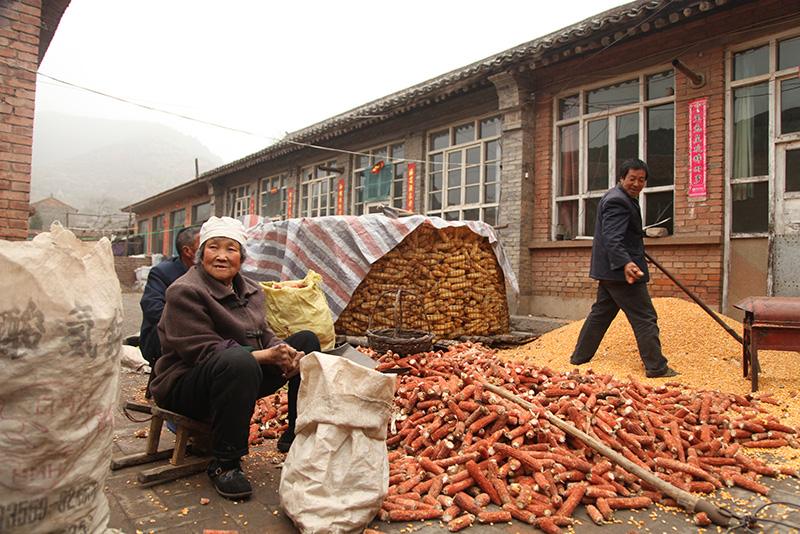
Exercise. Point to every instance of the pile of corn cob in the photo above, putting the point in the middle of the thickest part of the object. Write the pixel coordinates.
(463, 455)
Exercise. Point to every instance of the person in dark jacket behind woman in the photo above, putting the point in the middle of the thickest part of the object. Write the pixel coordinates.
(159, 279)
(219, 355)
(620, 267)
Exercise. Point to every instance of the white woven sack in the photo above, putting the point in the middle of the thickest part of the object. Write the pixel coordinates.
(336, 475)
(60, 339)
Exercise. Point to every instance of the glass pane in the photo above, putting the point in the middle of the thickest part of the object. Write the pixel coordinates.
(472, 215)
(659, 207)
(362, 161)
(454, 197)
(591, 215)
(451, 216)
(465, 133)
(473, 175)
(436, 162)
(380, 154)
(490, 127)
(440, 140)
(789, 53)
(360, 179)
(473, 156)
(490, 172)
(453, 178)
(568, 182)
(399, 151)
(435, 200)
(751, 131)
(567, 219)
(612, 96)
(472, 195)
(661, 85)
(793, 170)
(627, 138)
(492, 150)
(597, 155)
(454, 160)
(436, 182)
(490, 216)
(359, 195)
(491, 193)
(569, 107)
(790, 105)
(750, 211)
(661, 145)
(751, 62)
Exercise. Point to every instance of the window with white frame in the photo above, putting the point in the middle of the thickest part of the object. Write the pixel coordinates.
(239, 201)
(379, 178)
(273, 197)
(201, 212)
(464, 171)
(765, 102)
(596, 130)
(318, 190)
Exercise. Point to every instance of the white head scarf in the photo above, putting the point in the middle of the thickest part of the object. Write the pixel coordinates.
(223, 227)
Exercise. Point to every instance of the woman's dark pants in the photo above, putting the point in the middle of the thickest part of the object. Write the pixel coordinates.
(224, 389)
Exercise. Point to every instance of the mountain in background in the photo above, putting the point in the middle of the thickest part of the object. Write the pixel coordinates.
(101, 165)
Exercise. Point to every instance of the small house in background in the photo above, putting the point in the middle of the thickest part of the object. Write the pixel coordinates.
(48, 211)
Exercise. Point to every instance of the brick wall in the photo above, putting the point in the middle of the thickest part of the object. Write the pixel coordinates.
(19, 45)
(125, 266)
(695, 253)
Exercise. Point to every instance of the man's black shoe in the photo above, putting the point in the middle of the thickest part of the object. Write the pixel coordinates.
(667, 373)
(229, 479)
(285, 441)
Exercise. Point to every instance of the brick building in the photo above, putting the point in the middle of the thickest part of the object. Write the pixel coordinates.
(529, 139)
(160, 217)
(26, 29)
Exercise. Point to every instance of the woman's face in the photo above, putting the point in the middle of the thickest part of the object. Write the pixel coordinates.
(222, 258)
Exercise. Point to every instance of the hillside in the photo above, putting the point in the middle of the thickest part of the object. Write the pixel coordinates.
(102, 165)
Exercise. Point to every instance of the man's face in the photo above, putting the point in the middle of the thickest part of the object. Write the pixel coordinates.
(633, 182)
(190, 252)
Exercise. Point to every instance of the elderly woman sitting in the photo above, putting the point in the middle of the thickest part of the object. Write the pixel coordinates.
(219, 354)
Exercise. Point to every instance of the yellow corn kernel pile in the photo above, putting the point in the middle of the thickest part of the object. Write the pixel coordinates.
(455, 273)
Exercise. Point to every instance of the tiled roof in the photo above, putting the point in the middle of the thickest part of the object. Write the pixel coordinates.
(613, 22)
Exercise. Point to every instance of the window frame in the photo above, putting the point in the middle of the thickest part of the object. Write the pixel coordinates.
(195, 208)
(777, 141)
(312, 176)
(397, 192)
(239, 200)
(265, 186)
(584, 196)
(175, 228)
(460, 210)
(157, 233)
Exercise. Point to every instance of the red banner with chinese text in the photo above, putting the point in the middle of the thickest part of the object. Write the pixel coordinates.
(340, 197)
(412, 175)
(697, 148)
(289, 203)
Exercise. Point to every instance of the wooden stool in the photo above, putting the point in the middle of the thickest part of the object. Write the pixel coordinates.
(179, 465)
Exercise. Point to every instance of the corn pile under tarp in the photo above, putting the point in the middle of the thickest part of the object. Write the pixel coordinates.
(455, 273)
(460, 454)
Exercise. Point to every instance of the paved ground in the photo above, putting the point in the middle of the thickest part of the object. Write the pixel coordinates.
(176, 507)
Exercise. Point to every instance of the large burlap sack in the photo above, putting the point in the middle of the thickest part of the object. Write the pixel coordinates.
(60, 340)
(300, 305)
(336, 474)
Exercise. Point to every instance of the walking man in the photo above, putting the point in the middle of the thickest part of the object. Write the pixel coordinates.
(618, 264)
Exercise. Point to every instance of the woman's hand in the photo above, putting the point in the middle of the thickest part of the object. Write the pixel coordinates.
(282, 355)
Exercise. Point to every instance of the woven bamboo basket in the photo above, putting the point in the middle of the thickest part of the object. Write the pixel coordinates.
(399, 340)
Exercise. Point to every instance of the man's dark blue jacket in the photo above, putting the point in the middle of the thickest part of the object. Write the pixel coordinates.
(158, 280)
(618, 237)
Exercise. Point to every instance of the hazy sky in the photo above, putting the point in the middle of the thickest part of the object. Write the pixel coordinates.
(267, 67)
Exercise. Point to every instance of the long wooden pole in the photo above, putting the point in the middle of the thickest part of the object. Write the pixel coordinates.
(685, 499)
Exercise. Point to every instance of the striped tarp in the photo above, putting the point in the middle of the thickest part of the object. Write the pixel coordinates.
(340, 248)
